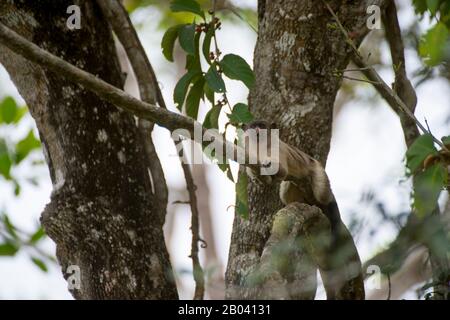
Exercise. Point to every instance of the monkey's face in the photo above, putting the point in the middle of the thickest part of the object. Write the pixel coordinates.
(258, 128)
(257, 139)
(258, 125)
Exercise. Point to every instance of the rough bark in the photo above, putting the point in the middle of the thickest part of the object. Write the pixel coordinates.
(103, 213)
(296, 56)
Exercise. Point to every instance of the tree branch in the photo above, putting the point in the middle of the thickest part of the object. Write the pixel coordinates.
(142, 68)
(372, 75)
(149, 89)
(199, 275)
(167, 119)
(402, 85)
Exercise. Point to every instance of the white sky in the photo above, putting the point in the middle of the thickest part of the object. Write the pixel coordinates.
(366, 154)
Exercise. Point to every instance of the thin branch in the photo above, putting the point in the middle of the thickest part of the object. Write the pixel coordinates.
(149, 89)
(167, 119)
(402, 85)
(199, 275)
(181, 202)
(354, 69)
(237, 14)
(143, 70)
(360, 80)
(393, 99)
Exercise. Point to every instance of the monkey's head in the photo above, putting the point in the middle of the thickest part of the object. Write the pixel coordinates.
(258, 131)
(258, 137)
(258, 125)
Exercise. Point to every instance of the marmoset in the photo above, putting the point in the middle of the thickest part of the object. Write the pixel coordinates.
(303, 179)
(295, 170)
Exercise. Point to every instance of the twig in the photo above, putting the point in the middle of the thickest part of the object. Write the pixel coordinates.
(354, 69)
(237, 14)
(199, 276)
(426, 123)
(28, 244)
(372, 75)
(149, 89)
(181, 202)
(361, 80)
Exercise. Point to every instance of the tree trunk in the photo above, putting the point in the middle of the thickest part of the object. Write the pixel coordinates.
(296, 57)
(103, 213)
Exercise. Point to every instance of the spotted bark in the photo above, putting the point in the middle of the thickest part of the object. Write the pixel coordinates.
(103, 213)
(297, 54)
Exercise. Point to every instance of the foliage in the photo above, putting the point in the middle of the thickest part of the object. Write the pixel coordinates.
(13, 153)
(170, 18)
(429, 167)
(435, 44)
(198, 83)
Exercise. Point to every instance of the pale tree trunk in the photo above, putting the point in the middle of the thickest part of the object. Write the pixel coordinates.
(297, 53)
(103, 215)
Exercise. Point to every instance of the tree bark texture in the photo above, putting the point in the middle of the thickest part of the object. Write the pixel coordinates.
(297, 54)
(103, 213)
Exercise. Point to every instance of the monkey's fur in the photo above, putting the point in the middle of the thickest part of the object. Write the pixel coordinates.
(303, 179)
(295, 168)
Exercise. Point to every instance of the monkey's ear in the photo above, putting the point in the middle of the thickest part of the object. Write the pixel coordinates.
(273, 125)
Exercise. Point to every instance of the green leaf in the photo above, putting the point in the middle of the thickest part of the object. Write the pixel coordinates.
(433, 6)
(240, 114)
(234, 67)
(8, 249)
(17, 188)
(420, 6)
(419, 151)
(37, 236)
(193, 63)
(446, 140)
(214, 80)
(20, 113)
(8, 110)
(242, 195)
(207, 43)
(9, 226)
(209, 93)
(434, 44)
(212, 118)
(427, 187)
(181, 88)
(39, 263)
(168, 41)
(193, 98)
(5, 160)
(186, 6)
(26, 145)
(223, 166)
(186, 35)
